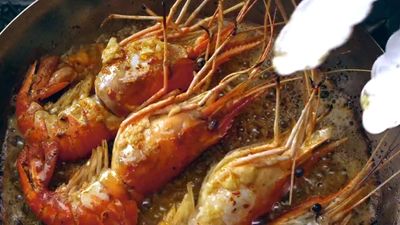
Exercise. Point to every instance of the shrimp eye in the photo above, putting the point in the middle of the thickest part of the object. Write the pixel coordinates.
(212, 125)
(299, 172)
(201, 61)
(317, 208)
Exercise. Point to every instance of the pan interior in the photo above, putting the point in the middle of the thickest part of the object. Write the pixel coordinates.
(52, 27)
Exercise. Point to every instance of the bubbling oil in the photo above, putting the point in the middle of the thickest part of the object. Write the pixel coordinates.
(253, 125)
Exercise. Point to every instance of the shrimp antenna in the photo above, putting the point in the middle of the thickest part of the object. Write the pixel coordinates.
(164, 11)
(220, 16)
(320, 83)
(373, 155)
(311, 82)
(354, 190)
(152, 16)
(210, 36)
(183, 12)
(282, 10)
(375, 190)
(172, 11)
(295, 136)
(381, 161)
(348, 70)
(277, 111)
(206, 30)
(148, 10)
(127, 17)
(165, 87)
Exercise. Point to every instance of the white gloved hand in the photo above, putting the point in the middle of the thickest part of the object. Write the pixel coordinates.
(380, 97)
(315, 28)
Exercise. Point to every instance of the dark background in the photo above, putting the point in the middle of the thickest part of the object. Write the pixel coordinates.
(381, 23)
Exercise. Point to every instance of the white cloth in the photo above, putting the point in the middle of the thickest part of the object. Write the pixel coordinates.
(314, 29)
(380, 97)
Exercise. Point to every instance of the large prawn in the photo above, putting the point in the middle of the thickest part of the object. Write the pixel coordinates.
(248, 181)
(170, 55)
(160, 141)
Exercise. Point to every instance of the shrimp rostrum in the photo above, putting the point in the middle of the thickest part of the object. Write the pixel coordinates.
(247, 182)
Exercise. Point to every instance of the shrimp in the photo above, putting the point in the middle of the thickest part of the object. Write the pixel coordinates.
(76, 123)
(94, 195)
(248, 181)
(150, 150)
(155, 144)
(337, 208)
(153, 62)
